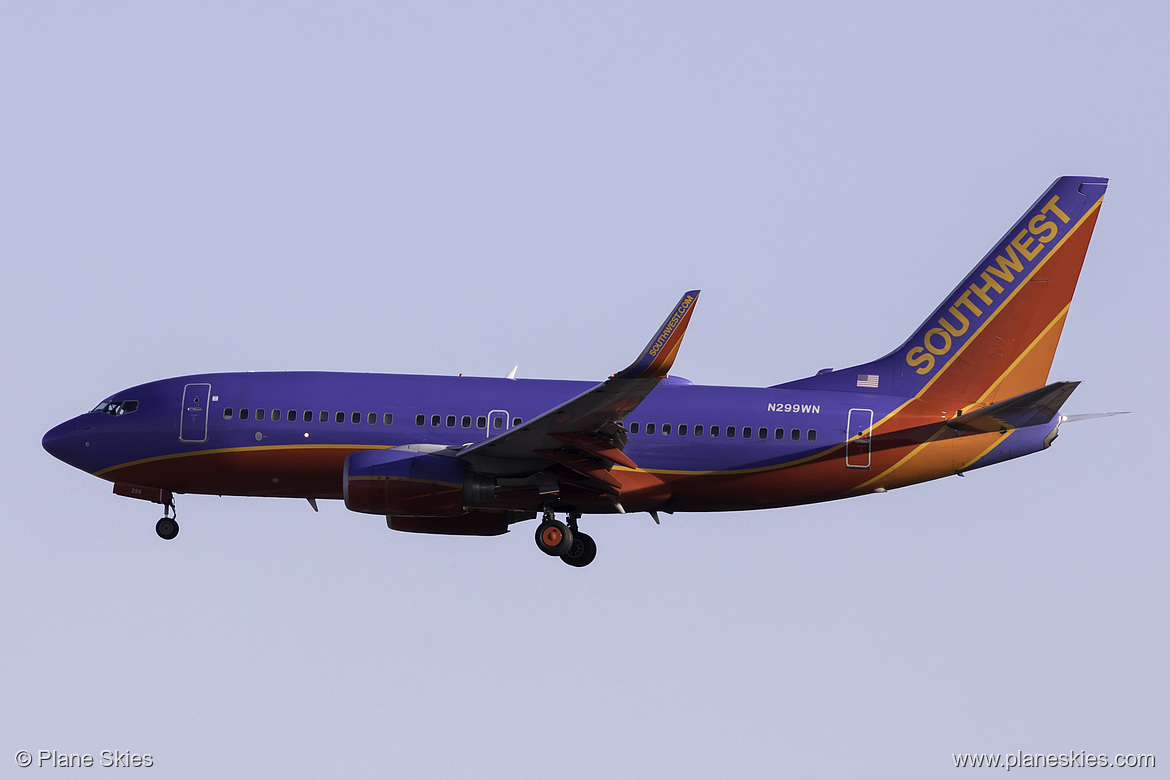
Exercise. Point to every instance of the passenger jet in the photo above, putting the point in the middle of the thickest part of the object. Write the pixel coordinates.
(473, 456)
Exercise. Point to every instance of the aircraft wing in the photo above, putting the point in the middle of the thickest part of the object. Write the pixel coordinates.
(583, 438)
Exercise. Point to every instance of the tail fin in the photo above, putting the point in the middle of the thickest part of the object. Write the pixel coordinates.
(995, 335)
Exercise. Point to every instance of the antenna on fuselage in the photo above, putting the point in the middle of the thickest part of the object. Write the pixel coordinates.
(511, 374)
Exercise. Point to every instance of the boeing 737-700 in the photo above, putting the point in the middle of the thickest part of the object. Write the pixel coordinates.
(463, 455)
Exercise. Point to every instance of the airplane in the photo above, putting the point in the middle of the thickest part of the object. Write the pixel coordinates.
(475, 455)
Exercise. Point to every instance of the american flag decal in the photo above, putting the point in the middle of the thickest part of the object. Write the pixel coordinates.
(867, 380)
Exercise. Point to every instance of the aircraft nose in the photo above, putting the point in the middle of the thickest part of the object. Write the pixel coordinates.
(61, 441)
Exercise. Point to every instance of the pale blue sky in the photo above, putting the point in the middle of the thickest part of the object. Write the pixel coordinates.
(459, 187)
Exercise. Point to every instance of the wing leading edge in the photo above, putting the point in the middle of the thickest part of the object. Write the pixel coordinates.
(583, 438)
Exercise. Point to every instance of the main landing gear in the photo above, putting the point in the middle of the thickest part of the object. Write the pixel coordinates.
(168, 526)
(565, 541)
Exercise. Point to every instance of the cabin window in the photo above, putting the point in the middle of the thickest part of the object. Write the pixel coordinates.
(812, 434)
(323, 417)
(731, 431)
(276, 416)
(420, 419)
(682, 429)
(243, 414)
(227, 413)
(481, 422)
(371, 418)
(649, 429)
(698, 430)
(355, 418)
(339, 417)
(259, 414)
(435, 420)
(450, 421)
(714, 431)
(387, 418)
(763, 433)
(497, 422)
(292, 415)
(465, 421)
(747, 432)
(634, 427)
(779, 434)
(796, 434)
(516, 421)
(308, 416)
(665, 429)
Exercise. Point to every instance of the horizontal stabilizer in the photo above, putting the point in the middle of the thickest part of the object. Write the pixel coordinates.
(1034, 407)
(1093, 416)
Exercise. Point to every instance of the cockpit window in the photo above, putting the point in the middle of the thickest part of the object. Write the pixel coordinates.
(116, 408)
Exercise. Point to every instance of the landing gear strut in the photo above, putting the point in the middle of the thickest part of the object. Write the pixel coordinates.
(565, 541)
(168, 526)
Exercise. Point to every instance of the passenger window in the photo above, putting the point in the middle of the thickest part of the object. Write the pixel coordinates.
(308, 416)
(435, 420)
(682, 429)
(812, 434)
(420, 419)
(465, 421)
(355, 418)
(323, 417)
(516, 421)
(388, 418)
(481, 422)
(763, 433)
(714, 431)
(698, 430)
(372, 418)
(450, 421)
(731, 431)
(649, 429)
(339, 417)
(276, 415)
(747, 432)
(634, 427)
(665, 429)
(779, 434)
(259, 414)
(227, 413)
(796, 434)
(244, 414)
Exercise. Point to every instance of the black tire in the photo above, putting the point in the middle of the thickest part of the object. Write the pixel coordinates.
(582, 552)
(554, 538)
(167, 528)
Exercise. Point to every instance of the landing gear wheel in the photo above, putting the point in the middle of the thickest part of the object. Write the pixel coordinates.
(554, 537)
(582, 551)
(167, 528)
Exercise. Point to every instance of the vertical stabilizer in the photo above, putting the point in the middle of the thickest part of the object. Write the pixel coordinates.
(995, 335)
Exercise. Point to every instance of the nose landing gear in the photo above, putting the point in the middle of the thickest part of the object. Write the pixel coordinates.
(168, 526)
(565, 541)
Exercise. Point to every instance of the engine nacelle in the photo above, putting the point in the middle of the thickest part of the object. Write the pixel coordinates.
(404, 483)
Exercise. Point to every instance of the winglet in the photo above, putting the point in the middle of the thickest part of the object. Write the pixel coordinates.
(656, 360)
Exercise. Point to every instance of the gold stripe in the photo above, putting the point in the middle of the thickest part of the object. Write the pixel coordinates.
(176, 455)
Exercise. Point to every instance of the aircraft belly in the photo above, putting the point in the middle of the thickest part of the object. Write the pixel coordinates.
(302, 472)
